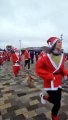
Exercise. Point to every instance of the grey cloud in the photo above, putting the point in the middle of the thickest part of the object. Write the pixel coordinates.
(32, 20)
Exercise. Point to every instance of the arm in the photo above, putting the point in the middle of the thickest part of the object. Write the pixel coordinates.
(64, 71)
(41, 70)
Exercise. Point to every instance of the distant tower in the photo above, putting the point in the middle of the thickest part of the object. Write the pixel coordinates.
(61, 37)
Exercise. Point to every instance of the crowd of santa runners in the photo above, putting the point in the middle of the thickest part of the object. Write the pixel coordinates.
(17, 57)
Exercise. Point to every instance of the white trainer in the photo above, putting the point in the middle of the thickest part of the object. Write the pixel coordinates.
(43, 101)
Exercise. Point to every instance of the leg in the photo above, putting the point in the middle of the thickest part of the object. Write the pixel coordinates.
(26, 61)
(29, 64)
(55, 98)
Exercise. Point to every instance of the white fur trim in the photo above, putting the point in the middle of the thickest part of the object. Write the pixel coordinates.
(54, 88)
(52, 84)
(59, 63)
(16, 64)
(53, 63)
(53, 43)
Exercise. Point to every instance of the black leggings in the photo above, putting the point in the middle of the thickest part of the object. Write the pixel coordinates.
(55, 98)
(27, 62)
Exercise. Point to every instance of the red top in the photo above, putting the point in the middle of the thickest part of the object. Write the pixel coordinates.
(26, 55)
(14, 58)
(50, 72)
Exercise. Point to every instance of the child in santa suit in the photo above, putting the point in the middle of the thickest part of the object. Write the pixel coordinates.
(16, 63)
(51, 69)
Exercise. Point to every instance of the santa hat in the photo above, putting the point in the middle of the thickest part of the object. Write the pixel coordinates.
(51, 41)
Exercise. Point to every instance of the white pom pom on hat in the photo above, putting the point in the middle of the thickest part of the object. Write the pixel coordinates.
(52, 40)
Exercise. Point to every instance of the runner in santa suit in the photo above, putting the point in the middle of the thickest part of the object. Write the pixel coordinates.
(16, 63)
(52, 70)
(27, 58)
(1, 58)
(5, 55)
(42, 53)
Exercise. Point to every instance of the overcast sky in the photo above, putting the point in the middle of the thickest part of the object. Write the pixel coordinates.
(32, 22)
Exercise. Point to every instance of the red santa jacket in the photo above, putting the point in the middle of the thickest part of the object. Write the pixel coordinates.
(26, 55)
(14, 58)
(50, 72)
(41, 54)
